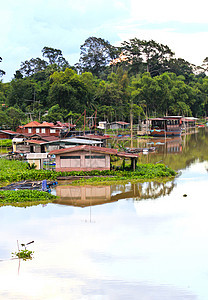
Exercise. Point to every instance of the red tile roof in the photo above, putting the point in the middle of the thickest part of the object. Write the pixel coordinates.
(46, 124)
(32, 124)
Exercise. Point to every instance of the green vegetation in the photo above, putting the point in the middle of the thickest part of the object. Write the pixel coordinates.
(25, 196)
(11, 171)
(142, 172)
(148, 76)
(23, 254)
(6, 143)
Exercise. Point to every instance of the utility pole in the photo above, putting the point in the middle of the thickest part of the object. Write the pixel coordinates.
(131, 123)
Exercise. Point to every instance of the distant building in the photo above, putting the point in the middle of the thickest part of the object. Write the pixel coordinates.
(45, 129)
(39, 144)
(102, 125)
(119, 125)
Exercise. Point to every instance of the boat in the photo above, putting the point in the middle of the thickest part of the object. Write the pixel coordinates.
(169, 126)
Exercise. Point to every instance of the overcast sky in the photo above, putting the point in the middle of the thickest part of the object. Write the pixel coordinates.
(26, 26)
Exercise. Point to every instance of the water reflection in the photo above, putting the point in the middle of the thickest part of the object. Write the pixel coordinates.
(155, 250)
(83, 196)
(178, 153)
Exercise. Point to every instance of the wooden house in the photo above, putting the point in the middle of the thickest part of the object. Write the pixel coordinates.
(7, 134)
(47, 129)
(87, 158)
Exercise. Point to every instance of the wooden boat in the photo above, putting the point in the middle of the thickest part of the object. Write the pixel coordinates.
(166, 127)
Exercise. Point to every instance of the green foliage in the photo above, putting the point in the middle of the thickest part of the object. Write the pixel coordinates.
(23, 254)
(24, 196)
(149, 77)
(31, 166)
(6, 143)
(16, 171)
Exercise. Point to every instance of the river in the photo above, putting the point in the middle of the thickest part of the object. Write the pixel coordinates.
(127, 241)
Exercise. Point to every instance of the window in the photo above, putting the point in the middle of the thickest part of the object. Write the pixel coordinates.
(42, 130)
(52, 130)
(29, 130)
(37, 130)
(69, 157)
(94, 156)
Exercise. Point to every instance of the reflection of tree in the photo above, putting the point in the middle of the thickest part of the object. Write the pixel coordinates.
(146, 190)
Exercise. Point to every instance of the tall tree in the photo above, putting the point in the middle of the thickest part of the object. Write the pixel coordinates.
(96, 54)
(32, 66)
(146, 56)
(55, 56)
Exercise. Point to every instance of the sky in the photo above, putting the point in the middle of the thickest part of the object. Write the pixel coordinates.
(27, 26)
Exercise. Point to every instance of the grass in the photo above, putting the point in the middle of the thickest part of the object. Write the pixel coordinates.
(25, 196)
(13, 171)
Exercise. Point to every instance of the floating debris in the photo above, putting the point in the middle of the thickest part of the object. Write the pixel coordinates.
(42, 185)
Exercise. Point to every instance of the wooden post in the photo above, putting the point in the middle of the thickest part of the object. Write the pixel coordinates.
(131, 122)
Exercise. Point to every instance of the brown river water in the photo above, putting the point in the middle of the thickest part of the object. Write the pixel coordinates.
(127, 241)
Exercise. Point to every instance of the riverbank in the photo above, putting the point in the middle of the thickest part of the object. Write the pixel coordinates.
(16, 171)
(13, 171)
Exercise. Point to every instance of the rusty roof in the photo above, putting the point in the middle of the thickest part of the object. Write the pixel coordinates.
(32, 124)
(85, 148)
(94, 149)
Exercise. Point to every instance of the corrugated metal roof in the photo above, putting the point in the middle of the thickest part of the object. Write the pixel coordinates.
(94, 149)
(85, 148)
(80, 141)
(9, 132)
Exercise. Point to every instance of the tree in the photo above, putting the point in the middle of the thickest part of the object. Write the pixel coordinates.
(55, 56)
(15, 117)
(1, 71)
(96, 54)
(32, 66)
(55, 113)
(146, 56)
(4, 120)
(180, 66)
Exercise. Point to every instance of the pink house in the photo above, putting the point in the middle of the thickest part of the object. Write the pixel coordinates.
(87, 158)
(83, 157)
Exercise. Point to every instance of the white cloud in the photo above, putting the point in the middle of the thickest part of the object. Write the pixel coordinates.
(163, 11)
(189, 46)
(27, 26)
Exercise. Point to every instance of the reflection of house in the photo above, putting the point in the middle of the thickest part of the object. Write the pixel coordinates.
(168, 145)
(87, 158)
(119, 125)
(83, 195)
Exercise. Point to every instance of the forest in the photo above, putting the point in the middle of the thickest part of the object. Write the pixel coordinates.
(140, 75)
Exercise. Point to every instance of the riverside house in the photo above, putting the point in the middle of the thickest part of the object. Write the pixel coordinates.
(44, 129)
(87, 158)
